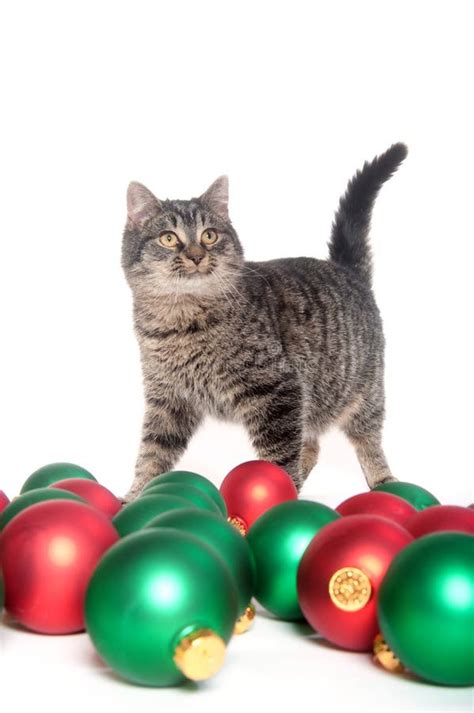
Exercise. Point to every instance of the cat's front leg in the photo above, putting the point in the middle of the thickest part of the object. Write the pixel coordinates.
(167, 428)
(272, 411)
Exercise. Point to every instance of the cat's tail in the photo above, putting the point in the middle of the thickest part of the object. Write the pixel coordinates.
(349, 244)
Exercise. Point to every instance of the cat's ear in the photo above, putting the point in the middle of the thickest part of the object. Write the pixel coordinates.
(217, 197)
(141, 204)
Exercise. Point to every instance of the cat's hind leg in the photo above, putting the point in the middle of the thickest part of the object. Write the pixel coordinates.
(364, 430)
(309, 454)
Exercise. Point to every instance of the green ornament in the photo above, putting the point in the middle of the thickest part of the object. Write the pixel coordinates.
(218, 534)
(188, 492)
(187, 477)
(414, 494)
(30, 498)
(160, 607)
(278, 540)
(426, 608)
(137, 514)
(54, 472)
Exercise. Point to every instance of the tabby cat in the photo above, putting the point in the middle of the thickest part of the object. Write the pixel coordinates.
(287, 347)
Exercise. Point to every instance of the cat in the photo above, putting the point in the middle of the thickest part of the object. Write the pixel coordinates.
(287, 347)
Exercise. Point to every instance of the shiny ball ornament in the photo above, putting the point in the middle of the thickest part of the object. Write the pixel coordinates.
(278, 540)
(187, 477)
(414, 494)
(48, 553)
(221, 536)
(377, 503)
(441, 518)
(31, 497)
(426, 608)
(2, 593)
(160, 607)
(252, 488)
(193, 495)
(4, 501)
(93, 493)
(138, 513)
(340, 575)
(53, 472)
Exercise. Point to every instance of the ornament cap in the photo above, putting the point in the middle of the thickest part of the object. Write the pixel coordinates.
(350, 589)
(385, 656)
(239, 524)
(245, 621)
(200, 655)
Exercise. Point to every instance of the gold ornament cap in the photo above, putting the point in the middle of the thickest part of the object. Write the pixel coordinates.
(384, 655)
(245, 621)
(239, 524)
(350, 589)
(200, 655)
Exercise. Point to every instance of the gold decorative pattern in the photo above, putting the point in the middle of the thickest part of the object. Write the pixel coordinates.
(238, 524)
(245, 621)
(200, 655)
(385, 656)
(350, 589)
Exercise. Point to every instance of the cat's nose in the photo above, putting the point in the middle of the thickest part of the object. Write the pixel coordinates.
(196, 258)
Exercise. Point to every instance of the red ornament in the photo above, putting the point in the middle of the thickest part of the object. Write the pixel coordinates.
(340, 574)
(440, 518)
(377, 502)
(4, 501)
(95, 494)
(48, 554)
(251, 488)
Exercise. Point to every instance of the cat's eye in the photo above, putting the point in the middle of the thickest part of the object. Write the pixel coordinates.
(209, 237)
(169, 240)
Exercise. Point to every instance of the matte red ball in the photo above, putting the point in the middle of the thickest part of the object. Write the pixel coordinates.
(365, 542)
(4, 501)
(440, 518)
(48, 554)
(252, 488)
(377, 502)
(96, 495)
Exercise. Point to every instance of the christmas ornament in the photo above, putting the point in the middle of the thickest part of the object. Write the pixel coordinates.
(1, 592)
(426, 608)
(377, 503)
(340, 575)
(138, 513)
(252, 488)
(440, 518)
(188, 492)
(221, 536)
(187, 477)
(53, 472)
(3, 501)
(48, 553)
(160, 607)
(93, 493)
(31, 497)
(414, 494)
(278, 540)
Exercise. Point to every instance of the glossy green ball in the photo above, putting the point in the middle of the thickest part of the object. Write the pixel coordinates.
(414, 494)
(138, 513)
(54, 472)
(187, 477)
(149, 591)
(218, 534)
(30, 498)
(188, 492)
(426, 608)
(278, 540)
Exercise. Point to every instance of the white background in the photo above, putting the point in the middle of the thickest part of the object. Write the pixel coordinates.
(289, 99)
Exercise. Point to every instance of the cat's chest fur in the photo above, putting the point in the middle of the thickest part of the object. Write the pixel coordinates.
(184, 344)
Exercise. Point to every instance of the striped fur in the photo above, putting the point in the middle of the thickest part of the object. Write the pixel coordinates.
(286, 347)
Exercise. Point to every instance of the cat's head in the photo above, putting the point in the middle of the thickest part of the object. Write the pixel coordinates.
(180, 247)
